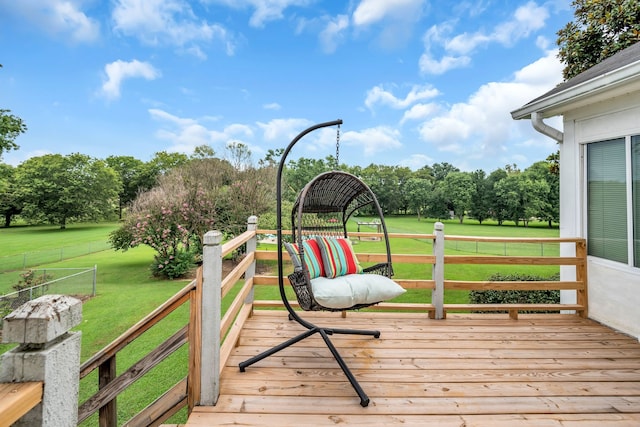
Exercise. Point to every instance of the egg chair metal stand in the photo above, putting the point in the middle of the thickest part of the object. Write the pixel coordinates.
(323, 208)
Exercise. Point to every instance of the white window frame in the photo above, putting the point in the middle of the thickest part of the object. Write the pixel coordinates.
(629, 192)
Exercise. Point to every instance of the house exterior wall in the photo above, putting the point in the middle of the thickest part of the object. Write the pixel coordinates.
(614, 288)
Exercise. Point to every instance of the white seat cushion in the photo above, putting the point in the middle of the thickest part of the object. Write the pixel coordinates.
(347, 291)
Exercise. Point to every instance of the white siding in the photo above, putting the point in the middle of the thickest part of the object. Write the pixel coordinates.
(614, 288)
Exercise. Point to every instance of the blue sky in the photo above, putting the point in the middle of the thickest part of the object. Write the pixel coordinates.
(416, 82)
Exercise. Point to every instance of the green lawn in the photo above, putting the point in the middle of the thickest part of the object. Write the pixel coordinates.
(126, 292)
(18, 240)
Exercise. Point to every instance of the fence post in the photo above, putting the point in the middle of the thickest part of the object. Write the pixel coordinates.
(47, 352)
(437, 295)
(95, 279)
(211, 309)
(252, 225)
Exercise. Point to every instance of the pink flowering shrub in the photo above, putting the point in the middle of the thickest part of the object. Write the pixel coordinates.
(203, 195)
(172, 223)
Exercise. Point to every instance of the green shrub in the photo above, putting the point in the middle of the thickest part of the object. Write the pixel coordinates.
(173, 266)
(514, 296)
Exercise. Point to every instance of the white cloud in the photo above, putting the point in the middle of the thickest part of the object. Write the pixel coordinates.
(395, 18)
(117, 71)
(416, 161)
(239, 130)
(373, 140)
(526, 20)
(333, 33)
(57, 17)
(419, 112)
(371, 11)
(272, 106)
(457, 49)
(283, 130)
(168, 22)
(434, 36)
(185, 134)
(264, 10)
(429, 65)
(482, 126)
(378, 95)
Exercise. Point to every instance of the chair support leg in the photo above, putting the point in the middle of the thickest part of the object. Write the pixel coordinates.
(324, 333)
(375, 334)
(277, 348)
(364, 399)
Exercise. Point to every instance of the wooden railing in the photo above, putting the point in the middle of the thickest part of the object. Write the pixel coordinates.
(111, 385)
(438, 260)
(212, 334)
(186, 392)
(16, 399)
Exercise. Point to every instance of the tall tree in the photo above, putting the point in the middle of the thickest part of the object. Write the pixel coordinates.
(10, 201)
(508, 192)
(480, 202)
(499, 209)
(438, 203)
(298, 173)
(239, 155)
(600, 29)
(161, 163)
(549, 203)
(403, 175)
(441, 170)
(11, 127)
(59, 189)
(129, 170)
(418, 194)
(458, 187)
(203, 152)
(385, 183)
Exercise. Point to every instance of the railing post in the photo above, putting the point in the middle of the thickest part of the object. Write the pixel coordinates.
(252, 244)
(437, 295)
(211, 308)
(108, 413)
(195, 353)
(582, 296)
(47, 352)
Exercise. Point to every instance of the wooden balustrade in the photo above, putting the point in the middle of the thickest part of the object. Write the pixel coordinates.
(439, 260)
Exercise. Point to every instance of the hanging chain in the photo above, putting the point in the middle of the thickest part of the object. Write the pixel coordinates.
(338, 147)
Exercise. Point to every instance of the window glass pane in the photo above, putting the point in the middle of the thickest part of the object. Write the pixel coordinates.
(635, 172)
(607, 200)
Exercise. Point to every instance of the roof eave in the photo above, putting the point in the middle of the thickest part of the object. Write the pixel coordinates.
(622, 80)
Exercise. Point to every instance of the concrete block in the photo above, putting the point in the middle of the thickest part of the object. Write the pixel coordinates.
(42, 320)
(58, 366)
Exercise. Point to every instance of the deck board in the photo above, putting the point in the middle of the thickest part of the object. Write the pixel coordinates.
(471, 370)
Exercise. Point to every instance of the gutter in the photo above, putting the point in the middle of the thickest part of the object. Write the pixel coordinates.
(545, 129)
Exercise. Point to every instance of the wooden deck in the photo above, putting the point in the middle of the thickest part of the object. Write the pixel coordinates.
(467, 370)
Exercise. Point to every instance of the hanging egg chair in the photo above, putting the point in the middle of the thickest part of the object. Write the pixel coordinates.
(327, 274)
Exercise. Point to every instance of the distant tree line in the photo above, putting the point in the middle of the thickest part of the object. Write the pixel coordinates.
(169, 202)
(59, 189)
(443, 191)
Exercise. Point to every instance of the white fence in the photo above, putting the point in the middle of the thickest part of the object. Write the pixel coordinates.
(31, 259)
(77, 282)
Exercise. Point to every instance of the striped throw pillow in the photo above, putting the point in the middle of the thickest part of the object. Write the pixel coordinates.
(312, 257)
(338, 257)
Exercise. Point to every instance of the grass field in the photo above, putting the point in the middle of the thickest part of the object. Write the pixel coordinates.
(18, 240)
(126, 292)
